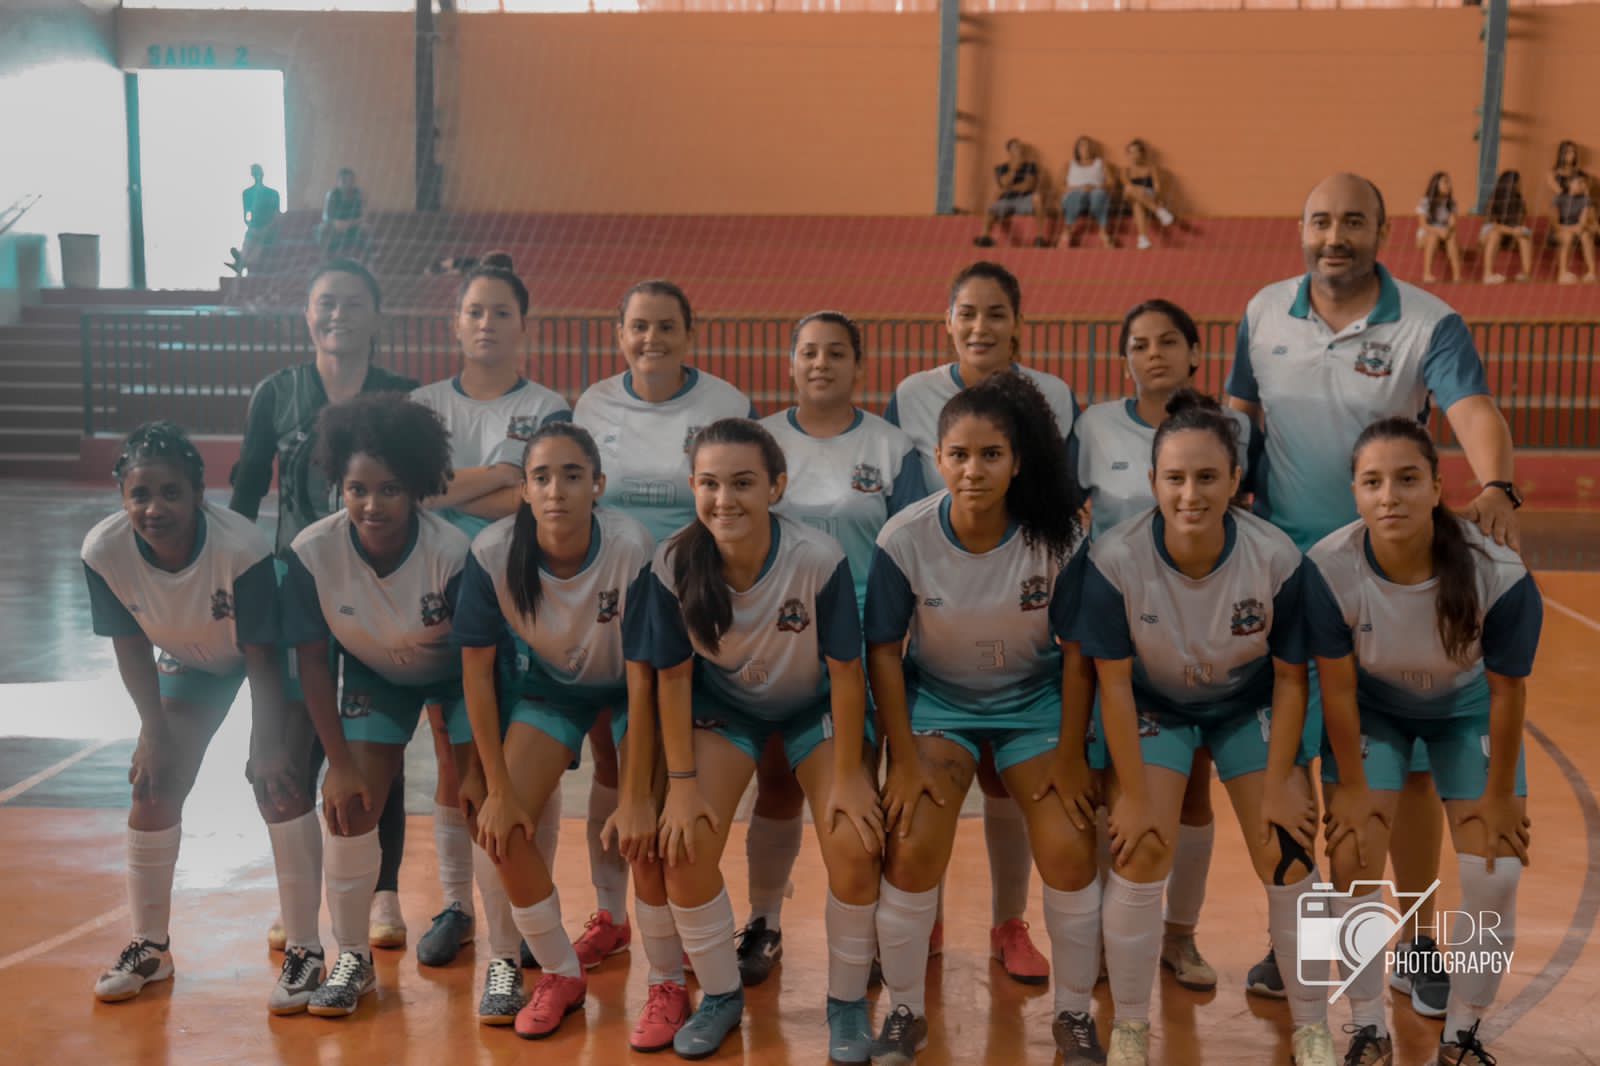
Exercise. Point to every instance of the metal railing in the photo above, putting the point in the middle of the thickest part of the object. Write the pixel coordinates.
(198, 367)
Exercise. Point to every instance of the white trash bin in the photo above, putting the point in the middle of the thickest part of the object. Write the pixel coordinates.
(80, 260)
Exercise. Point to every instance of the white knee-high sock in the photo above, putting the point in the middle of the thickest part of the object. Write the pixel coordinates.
(505, 942)
(852, 941)
(454, 846)
(540, 926)
(608, 869)
(1005, 831)
(1483, 895)
(1131, 920)
(152, 862)
(1191, 865)
(771, 845)
(663, 950)
(707, 932)
(1308, 1004)
(1366, 991)
(905, 921)
(297, 857)
(1073, 921)
(350, 865)
(547, 833)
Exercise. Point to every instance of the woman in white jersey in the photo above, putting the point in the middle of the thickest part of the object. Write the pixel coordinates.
(977, 577)
(563, 578)
(490, 410)
(1191, 612)
(1161, 345)
(984, 320)
(367, 605)
(754, 633)
(171, 571)
(1423, 629)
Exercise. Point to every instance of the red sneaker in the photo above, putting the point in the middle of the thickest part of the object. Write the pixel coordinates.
(601, 939)
(554, 997)
(664, 1014)
(936, 940)
(1011, 945)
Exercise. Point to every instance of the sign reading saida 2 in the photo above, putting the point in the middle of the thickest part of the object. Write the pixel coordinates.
(197, 55)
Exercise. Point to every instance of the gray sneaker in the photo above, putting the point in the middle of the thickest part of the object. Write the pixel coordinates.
(439, 946)
(1419, 973)
(1077, 1040)
(902, 1036)
(709, 1025)
(301, 975)
(502, 993)
(141, 962)
(1264, 978)
(341, 993)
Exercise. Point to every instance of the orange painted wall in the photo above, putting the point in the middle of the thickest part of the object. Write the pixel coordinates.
(790, 114)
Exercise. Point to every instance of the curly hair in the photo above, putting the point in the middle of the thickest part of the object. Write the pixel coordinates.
(162, 442)
(406, 437)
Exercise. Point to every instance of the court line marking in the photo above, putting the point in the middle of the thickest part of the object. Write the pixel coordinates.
(1577, 616)
(51, 771)
(16, 958)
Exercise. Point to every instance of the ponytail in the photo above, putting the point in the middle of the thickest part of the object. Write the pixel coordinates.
(522, 563)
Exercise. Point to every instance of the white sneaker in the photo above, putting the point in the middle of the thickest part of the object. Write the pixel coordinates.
(1144, 243)
(1130, 1044)
(301, 975)
(386, 926)
(1313, 1046)
(1165, 216)
(141, 962)
(276, 938)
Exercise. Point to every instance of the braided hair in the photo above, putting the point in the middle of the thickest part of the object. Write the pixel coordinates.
(161, 442)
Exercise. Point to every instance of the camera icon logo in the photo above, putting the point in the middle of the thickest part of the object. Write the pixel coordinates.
(1353, 928)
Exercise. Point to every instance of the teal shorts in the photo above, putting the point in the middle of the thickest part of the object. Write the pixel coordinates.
(567, 724)
(1014, 737)
(1457, 750)
(185, 684)
(802, 733)
(1314, 740)
(1238, 743)
(375, 711)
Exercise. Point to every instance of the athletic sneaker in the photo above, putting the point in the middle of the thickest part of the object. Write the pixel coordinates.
(554, 997)
(759, 949)
(665, 1011)
(849, 1030)
(1130, 1044)
(502, 993)
(439, 946)
(1011, 945)
(602, 938)
(277, 939)
(528, 961)
(1144, 243)
(1164, 216)
(386, 926)
(1076, 1039)
(1180, 955)
(341, 993)
(1429, 988)
(1367, 1048)
(1464, 1050)
(709, 1025)
(1312, 1045)
(1264, 978)
(301, 975)
(141, 962)
(902, 1036)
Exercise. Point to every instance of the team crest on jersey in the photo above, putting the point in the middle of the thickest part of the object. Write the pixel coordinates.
(1148, 726)
(1248, 617)
(355, 705)
(608, 606)
(792, 616)
(521, 427)
(866, 478)
(1035, 593)
(688, 437)
(1375, 359)
(434, 609)
(221, 605)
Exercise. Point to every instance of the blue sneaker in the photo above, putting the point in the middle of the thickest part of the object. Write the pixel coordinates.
(709, 1025)
(849, 1030)
(439, 946)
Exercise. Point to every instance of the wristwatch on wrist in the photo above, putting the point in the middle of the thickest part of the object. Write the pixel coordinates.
(1509, 489)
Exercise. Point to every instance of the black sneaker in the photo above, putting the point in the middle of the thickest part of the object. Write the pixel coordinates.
(502, 993)
(1419, 973)
(759, 950)
(528, 961)
(1264, 978)
(341, 993)
(902, 1036)
(1465, 1050)
(1076, 1038)
(1367, 1048)
(439, 946)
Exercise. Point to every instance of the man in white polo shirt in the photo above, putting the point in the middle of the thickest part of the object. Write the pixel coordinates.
(1321, 356)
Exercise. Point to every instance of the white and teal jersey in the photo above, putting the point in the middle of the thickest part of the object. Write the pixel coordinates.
(1202, 648)
(1114, 446)
(918, 400)
(1319, 389)
(225, 597)
(983, 627)
(770, 664)
(398, 626)
(1401, 665)
(644, 446)
(573, 642)
(850, 485)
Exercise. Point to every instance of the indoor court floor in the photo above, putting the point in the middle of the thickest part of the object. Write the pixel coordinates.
(66, 733)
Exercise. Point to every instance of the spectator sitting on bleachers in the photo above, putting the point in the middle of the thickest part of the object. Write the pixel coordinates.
(339, 233)
(261, 208)
(1575, 224)
(1141, 188)
(1089, 184)
(1436, 226)
(1506, 220)
(466, 264)
(1018, 182)
(1567, 167)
